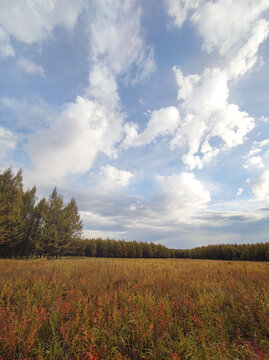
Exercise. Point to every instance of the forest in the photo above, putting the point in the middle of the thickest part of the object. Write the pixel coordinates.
(50, 228)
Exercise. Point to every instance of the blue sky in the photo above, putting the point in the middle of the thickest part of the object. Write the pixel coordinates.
(152, 114)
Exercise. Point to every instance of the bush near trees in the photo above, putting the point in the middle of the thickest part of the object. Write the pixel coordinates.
(51, 229)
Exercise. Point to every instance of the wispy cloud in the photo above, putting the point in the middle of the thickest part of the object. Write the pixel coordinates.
(30, 67)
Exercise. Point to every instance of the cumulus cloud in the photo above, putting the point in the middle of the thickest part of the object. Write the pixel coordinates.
(71, 142)
(208, 122)
(30, 67)
(225, 25)
(33, 21)
(162, 122)
(204, 100)
(105, 201)
(211, 124)
(114, 177)
(182, 196)
(94, 122)
(179, 199)
(180, 207)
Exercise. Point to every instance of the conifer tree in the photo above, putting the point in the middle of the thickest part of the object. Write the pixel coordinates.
(39, 227)
(28, 220)
(10, 212)
(52, 231)
(73, 227)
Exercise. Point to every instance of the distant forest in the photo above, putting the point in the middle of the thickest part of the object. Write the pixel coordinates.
(51, 229)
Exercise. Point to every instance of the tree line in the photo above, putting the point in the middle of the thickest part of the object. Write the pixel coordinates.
(133, 249)
(51, 229)
(248, 252)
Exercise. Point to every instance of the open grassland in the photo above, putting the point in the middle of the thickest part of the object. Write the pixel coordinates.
(133, 309)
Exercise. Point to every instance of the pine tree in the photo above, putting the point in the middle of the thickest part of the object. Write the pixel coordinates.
(72, 229)
(28, 220)
(52, 230)
(10, 212)
(38, 233)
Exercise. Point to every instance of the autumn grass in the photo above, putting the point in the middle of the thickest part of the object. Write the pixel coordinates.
(133, 309)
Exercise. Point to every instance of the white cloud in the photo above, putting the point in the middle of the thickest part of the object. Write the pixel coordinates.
(116, 39)
(111, 177)
(162, 122)
(105, 197)
(116, 48)
(254, 161)
(5, 47)
(34, 21)
(93, 234)
(72, 141)
(179, 200)
(91, 219)
(261, 187)
(253, 152)
(30, 67)
(258, 157)
(93, 123)
(262, 143)
(246, 57)
(103, 87)
(182, 196)
(8, 143)
(235, 29)
(179, 9)
(208, 114)
(226, 25)
(239, 191)
(204, 100)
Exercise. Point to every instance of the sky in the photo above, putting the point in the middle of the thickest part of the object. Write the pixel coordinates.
(153, 114)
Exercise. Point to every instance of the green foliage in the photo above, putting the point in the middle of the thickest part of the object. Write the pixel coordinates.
(28, 216)
(46, 229)
(133, 249)
(53, 235)
(10, 211)
(252, 252)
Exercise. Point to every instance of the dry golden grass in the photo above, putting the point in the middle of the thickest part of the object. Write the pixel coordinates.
(133, 309)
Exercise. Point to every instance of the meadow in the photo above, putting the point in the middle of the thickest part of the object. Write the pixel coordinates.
(97, 308)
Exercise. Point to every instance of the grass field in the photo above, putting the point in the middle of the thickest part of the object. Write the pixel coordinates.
(133, 309)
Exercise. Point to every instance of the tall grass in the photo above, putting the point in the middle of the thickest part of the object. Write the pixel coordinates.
(133, 309)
